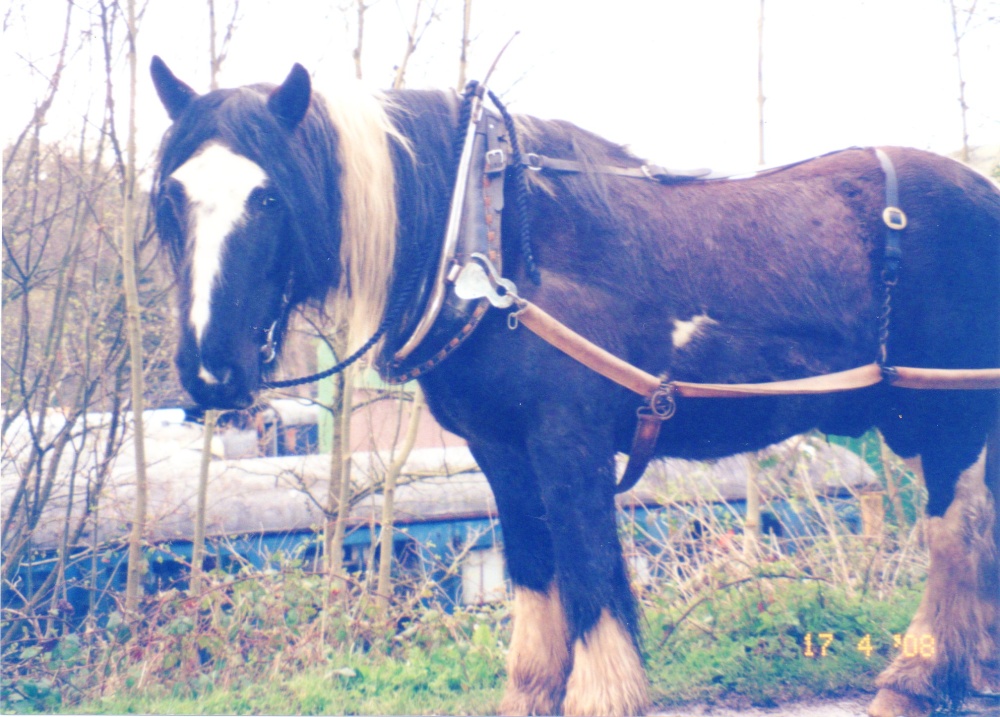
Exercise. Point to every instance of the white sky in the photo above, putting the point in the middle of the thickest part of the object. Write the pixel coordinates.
(675, 79)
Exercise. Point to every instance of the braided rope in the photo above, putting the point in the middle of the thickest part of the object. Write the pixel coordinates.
(521, 191)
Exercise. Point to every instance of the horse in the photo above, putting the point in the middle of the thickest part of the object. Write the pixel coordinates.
(270, 197)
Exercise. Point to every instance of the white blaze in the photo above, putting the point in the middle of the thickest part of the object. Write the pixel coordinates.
(217, 182)
(684, 331)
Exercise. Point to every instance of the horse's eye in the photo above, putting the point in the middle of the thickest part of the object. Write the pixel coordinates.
(264, 200)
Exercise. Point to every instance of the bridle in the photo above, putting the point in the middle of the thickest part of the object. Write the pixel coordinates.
(269, 349)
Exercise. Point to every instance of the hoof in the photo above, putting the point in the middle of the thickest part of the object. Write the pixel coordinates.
(538, 661)
(889, 703)
(607, 678)
(516, 702)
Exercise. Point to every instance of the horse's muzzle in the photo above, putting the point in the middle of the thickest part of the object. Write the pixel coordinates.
(215, 383)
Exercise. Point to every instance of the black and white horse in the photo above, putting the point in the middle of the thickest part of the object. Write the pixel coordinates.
(268, 197)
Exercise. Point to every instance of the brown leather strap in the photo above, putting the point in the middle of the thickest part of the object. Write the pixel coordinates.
(854, 378)
(645, 384)
(941, 378)
(654, 172)
(647, 431)
(589, 354)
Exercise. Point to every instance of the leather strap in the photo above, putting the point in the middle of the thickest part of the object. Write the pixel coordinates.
(655, 172)
(647, 431)
(893, 217)
(646, 384)
(968, 379)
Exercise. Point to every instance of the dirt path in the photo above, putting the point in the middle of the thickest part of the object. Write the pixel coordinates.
(851, 707)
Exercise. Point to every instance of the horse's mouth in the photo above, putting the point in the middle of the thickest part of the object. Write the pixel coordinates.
(223, 403)
(232, 395)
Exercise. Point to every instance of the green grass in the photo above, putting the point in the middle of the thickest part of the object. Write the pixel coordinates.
(748, 646)
(724, 622)
(422, 686)
(739, 643)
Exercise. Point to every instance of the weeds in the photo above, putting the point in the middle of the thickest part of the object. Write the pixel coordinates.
(807, 608)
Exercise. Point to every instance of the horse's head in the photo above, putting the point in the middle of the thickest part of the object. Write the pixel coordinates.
(242, 208)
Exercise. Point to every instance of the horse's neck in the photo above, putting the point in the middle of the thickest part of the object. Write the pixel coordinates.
(425, 170)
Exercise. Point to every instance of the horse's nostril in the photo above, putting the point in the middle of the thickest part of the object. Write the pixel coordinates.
(212, 378)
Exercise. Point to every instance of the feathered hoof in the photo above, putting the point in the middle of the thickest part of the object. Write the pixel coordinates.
(889, 703)
(607, 677)
(516, 702)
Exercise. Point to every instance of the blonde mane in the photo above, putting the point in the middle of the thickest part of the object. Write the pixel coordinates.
(368, 219)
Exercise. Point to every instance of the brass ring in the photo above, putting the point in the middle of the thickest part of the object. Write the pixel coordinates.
(894, 218)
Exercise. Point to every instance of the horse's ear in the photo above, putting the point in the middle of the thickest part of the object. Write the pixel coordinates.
(290, 101)
(174, 94)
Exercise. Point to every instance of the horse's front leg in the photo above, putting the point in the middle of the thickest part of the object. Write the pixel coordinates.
(538, 659)
(572, 455)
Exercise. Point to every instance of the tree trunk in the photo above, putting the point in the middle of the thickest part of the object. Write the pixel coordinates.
(198, 543)
(388, 498)
(136, 564)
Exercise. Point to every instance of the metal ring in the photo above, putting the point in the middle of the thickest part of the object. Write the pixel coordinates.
(268, 350)
(894, 218)
(661, 402)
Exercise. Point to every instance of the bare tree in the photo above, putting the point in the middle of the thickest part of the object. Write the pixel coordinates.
(217, 51)
(760, 84)
(957, 34)
(463, 59)
(361, 8)
(384, 588)
(966, 16)
(133, 314)
(64, 348)
(415, 33)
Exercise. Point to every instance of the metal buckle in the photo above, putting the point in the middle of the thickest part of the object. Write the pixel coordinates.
(894, 218)
(496, 161)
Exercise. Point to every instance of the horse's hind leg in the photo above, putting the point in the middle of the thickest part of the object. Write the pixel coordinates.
(574, 461)
(538, 658)
(953, 642)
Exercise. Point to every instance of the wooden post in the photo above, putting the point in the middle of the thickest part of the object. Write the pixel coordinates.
(751, 526)
(872, 514)
(198, 542)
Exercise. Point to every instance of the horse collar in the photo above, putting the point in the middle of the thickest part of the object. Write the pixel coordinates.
(473, 228)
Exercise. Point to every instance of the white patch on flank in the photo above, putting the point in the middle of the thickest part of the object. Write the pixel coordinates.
(684, 331)
(217, 182)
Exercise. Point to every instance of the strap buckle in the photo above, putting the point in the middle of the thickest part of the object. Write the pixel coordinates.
(533, 162)
(496, 161)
